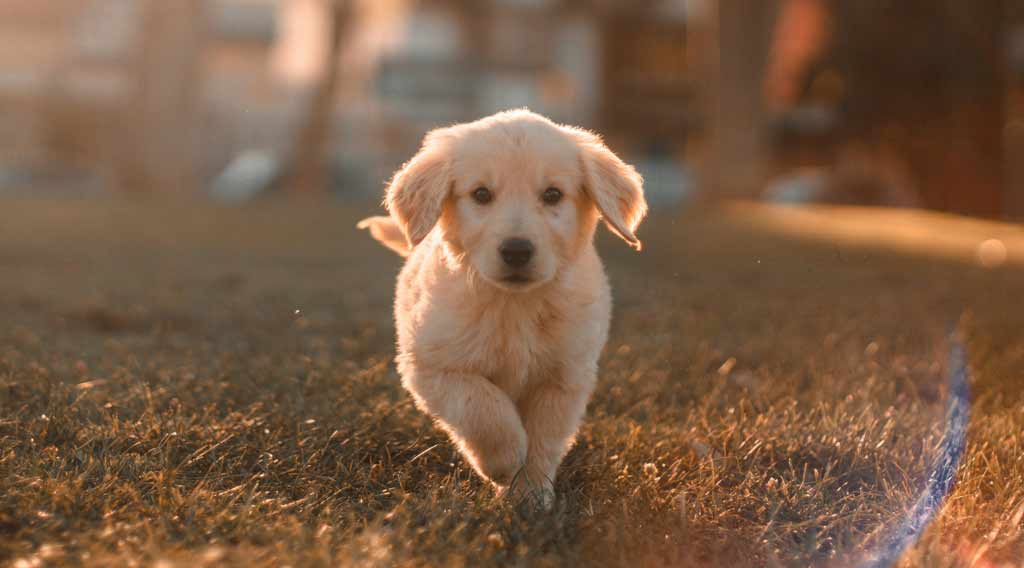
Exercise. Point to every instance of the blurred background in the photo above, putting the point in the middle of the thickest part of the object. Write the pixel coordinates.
(917, 103)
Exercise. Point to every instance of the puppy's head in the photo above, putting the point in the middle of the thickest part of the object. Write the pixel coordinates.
(515, 196)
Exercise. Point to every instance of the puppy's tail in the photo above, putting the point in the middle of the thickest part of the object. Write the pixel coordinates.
(385, 230)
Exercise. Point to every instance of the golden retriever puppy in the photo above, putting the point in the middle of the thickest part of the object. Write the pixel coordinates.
(502, 308)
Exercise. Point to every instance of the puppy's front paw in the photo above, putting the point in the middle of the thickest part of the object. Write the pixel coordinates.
(500, 455)
(501, 466)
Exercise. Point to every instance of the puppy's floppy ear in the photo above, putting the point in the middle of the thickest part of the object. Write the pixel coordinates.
(615, 186)
(416, 193)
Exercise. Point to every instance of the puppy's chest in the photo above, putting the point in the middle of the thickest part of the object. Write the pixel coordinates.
(513, 347)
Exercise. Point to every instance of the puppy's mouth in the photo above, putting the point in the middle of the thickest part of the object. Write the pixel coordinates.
(517, 279)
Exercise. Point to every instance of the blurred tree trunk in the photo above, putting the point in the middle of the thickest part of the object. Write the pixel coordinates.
(1014, 138)
(737, 40)
(311, 159)
(162, 123)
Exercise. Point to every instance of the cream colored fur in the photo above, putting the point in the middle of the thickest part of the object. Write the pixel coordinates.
(506, 367)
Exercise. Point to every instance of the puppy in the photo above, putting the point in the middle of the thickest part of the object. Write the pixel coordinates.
(502, 308)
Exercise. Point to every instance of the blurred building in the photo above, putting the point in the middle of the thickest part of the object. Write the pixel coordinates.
(147, 94)
(61, 80)
(908, 103)
(621, 68)
(106, 89)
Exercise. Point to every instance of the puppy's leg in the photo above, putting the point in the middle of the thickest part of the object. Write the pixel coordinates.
(480, 418)
(551, 415)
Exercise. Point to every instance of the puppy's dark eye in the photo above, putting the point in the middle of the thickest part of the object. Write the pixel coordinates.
(482, 195)
(551, 195)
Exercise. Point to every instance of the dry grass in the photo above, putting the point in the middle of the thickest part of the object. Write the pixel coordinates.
(766, 398)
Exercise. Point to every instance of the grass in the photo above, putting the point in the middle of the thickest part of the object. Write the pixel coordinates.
(182, 385)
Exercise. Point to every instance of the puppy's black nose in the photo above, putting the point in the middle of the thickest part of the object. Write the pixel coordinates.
(516, 252)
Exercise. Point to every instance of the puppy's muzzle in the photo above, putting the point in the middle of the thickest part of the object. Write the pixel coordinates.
(516, 252)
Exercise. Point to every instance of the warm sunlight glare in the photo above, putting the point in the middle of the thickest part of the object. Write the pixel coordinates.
(987, 243)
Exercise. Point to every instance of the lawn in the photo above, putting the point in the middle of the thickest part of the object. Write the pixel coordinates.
(188, 385)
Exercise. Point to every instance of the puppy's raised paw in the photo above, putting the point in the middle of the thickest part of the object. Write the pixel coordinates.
(500, 463)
